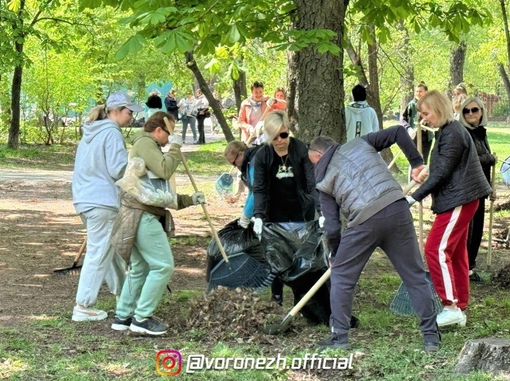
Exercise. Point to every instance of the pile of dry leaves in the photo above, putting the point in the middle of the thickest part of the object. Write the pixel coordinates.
(233, 315)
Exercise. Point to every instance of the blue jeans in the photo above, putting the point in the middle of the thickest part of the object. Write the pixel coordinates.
(191, 120)
(152, 266)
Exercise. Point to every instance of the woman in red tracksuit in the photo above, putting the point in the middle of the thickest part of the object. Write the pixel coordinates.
(456, 182)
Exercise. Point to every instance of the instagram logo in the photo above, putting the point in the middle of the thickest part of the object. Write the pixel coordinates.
(169, 362)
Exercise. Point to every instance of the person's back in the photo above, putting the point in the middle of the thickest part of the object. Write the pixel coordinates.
(360, 118)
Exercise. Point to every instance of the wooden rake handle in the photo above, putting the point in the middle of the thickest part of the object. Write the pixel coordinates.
(217, 239)
(491, 215)
(413, 183)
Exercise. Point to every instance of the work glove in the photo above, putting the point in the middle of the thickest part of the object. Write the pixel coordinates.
(321, 221)
(410, 200)
(175, 139)
(257, 226)
(198, 198)
(412, 132)
(244, 221)
(333, 241)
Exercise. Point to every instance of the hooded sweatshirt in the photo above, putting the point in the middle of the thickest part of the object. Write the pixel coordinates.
(360, 118)
(101, 158)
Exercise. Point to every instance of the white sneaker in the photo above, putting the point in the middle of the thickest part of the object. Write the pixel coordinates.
(449, 317)
(88, 314)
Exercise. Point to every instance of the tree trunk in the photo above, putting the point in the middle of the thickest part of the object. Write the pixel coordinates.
(407, 79)
(292, 88)
(13, 141)
(486, 355)
(374, 99)
(501, 67)
(319, 77)
(506, 83)
(192, 65)
(240, 89)
(457, 59)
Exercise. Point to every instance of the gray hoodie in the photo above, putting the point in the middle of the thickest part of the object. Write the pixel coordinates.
(101, 158)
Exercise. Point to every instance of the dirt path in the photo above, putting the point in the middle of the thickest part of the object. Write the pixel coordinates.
(40, 231)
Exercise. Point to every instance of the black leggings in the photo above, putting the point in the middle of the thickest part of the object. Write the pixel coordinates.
(201, 132)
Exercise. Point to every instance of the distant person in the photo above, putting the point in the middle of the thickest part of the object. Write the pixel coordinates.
(456, 183)
(100, 161)
(201, 112)
(171, 104)
(360, 118)
(474, 118)
(459, 96)
(154, 103)
(186, 107)
(278, 101)
(410, 117)
(251, 111)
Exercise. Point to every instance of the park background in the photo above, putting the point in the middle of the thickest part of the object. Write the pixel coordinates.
(58, 58)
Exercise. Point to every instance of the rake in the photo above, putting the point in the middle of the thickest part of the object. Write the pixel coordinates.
(236, 270)
(74, 269)
(247, 266)
(401, 303)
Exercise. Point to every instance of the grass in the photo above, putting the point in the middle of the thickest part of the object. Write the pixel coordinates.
(386, 347)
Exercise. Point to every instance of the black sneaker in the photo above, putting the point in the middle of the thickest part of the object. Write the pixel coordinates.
(121, 324)
(149, 326)
(335, 341)
(475, 278)
(278, 299)
(430, 346)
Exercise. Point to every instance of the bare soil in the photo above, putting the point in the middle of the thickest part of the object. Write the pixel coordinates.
(40, 231)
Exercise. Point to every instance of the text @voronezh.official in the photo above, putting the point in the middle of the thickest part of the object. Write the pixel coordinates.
(169, 362)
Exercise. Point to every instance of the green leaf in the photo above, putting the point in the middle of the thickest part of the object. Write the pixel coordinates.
(234, 35)
(133, 45)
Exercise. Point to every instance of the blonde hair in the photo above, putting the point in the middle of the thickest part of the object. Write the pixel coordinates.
(234, 148)
(457, 102)
(439, 104)
(273, 122)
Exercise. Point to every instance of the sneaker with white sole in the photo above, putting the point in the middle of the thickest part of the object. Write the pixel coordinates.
(149, 326)
(81, 313)
(120, 324)
(449, 317)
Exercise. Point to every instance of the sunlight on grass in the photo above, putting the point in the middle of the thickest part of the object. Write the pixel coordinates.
(9, 367)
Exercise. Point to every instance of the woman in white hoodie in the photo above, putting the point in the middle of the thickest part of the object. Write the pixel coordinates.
(101, 158)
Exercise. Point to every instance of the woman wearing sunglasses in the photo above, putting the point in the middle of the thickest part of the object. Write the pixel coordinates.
(456, 183)
(285, 197)
(473, 116)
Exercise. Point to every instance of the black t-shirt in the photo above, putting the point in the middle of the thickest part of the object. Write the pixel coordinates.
(284, 200)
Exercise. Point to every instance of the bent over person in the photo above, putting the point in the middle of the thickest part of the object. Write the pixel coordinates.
(139, 235)
(353, 179)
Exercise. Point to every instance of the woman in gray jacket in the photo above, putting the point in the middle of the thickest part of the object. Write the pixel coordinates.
(473, 116)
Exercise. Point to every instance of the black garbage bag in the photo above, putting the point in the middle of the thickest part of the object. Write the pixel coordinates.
(317, 310)
(294, 248)
(246, 267)
(294, 251)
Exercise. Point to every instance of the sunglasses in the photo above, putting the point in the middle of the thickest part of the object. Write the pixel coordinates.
(473, 110)
(283, 135)
(233, 162)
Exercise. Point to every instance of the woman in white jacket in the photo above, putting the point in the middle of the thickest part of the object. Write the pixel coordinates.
(101, 158)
